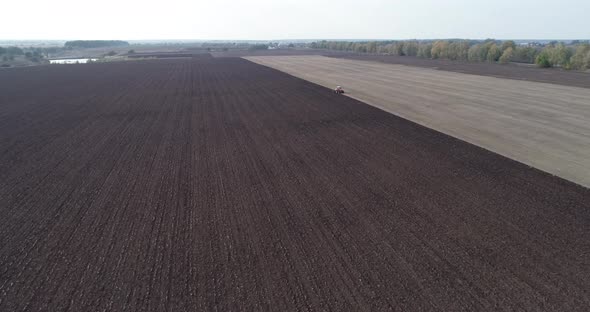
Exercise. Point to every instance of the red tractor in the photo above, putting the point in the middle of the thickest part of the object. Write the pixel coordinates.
(338, 90)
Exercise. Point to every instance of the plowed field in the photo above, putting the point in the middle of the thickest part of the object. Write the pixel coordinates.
(223, 185)
(546, 126)
(527, 72)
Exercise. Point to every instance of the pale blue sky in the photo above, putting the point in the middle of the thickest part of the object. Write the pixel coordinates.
(295, 19)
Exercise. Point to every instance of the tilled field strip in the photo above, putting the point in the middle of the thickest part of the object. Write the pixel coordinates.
(223, 185)
(546, 126)
(508, 71)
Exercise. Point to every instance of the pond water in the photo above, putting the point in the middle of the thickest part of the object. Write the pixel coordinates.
(72, 61)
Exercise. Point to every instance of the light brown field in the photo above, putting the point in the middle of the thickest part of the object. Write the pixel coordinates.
(543, 125)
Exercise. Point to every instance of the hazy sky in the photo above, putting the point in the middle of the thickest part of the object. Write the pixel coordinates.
(292, 19)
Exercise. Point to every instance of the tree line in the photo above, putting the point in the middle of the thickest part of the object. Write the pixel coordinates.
(32, 53)
(555, 54)
(95, 43)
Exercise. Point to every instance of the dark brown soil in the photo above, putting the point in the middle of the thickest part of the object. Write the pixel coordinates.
(169, 55)
(510, 71)
(222, 185)
(276, 52)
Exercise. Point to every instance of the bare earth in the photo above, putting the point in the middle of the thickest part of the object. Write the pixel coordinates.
(518, 71)
(543, 125)
(216, 184)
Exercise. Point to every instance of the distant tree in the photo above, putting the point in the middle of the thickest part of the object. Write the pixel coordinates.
(2, 50)
(560, 55)
(291, 45)
(508, 44)
(45, 52)
(474, 53)
(410, 48)
(372, 47)
(359, 47)
(581, 58)
(111, 53)
(525, 54)
(425, 50)
(494, 53)
(506, 56)
(131, 51)
(397, 48)
(258, 47)
(543, 60)
(458, 50)
(440, 49)
(14, 51)
(94, 43)
(485, 48)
